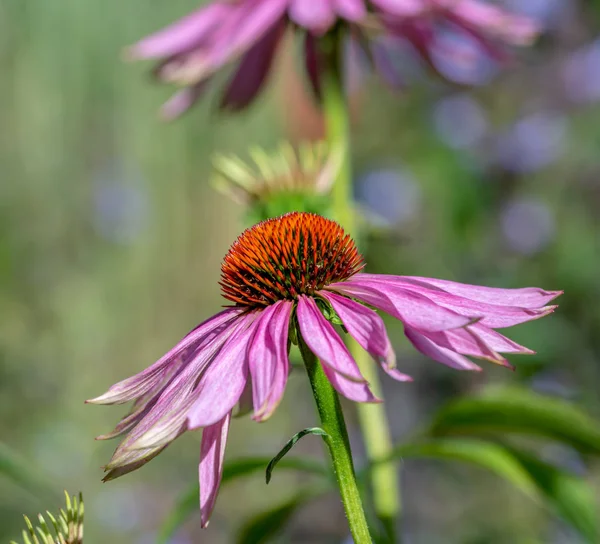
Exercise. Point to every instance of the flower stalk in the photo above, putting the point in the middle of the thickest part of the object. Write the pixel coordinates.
(372, 417)
(338, 445)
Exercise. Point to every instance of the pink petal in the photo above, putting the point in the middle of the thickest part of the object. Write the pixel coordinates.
(365, 326)
(438, 353)
(351, 10)
(528, 297)
(278, 329)
(317, 17)
(401, 8)
(491, 315)
(223, 382)
(142, 383)
(210, 469)
(312, 64)
(411, 308)
(250, 23)
(467, 342)
(181, 35)
(498, 342)
(166, 420)
(264, 354)
(182, 101)
(252, 72)
(358, 392)
(324, 342)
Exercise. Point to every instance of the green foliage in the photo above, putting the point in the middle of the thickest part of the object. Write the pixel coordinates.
(187, 504)
(501, 411)
(290, 444)
(266, 525)
(16, 469)
(66, 528)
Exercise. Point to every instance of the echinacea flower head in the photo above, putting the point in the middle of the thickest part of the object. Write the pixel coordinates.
(281, 180)
(300, 274)
(247, 33)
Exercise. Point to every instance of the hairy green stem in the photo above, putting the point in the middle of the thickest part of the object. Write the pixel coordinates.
(332, 422)
(372, 417)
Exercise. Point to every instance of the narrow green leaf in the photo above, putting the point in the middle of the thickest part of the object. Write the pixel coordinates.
(237, 468)
(313, 430)
(571, 496)
(266, 525)
(488, 455)
(519, 411)
(18, 470)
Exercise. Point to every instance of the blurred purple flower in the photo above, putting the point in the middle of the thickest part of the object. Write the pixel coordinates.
(249, 31)
(527, 225)
(301, 268)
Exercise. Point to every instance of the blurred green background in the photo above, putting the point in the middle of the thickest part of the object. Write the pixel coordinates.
(111, 240)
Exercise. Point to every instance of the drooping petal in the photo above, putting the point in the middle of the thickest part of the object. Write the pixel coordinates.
(210, 469)
(466, 341)
(181, 35)
(278, 328)
(262, 357)
(401, 8)
(365, 326)
(356, 391)
(527, 297)
(182, 101)
(491, 315)
(253, 71)
(351, 10)
(250, 23)
(317, 17)
(499, 342)
(324, 342)
(440, 354)
(312, 64)
(166, 420)
(138, 385)
(223, 382)
(413, 309)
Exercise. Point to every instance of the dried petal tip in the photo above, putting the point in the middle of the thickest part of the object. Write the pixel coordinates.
(285, 257)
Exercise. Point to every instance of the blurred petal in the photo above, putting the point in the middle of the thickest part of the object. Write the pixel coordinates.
(438, 353)
(182, 101)
(317, 17)
(311, 60)
(252, 72)
(181, 35)
(351, 10)
(212, 451)
(402, 8)
(324, 342)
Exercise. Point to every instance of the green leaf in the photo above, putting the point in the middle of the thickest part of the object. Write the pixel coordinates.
(572, 497)
(488, 455)
(21, 472)
(266, 525)
(520, 411)
(237, 468)
(289, 446)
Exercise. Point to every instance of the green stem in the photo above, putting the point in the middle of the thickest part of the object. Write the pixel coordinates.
(372, 417)
(332, 422)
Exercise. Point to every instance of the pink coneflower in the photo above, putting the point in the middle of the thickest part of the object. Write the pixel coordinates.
(300, 274)
(249, 32)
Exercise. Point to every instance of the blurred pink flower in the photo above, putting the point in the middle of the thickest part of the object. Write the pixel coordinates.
(301, 270)
(249, 32)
